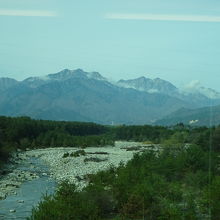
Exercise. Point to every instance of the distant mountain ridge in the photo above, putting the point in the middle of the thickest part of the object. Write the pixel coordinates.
(207, 116)
(77, 95)
(149, 85)
(198, 94)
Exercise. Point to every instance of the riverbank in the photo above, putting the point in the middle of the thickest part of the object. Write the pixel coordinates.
(20, 169)
(23, 186)
(64, 164)
(75, 164)
(33, 173)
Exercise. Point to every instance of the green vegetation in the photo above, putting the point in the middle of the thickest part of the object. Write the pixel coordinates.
(171, 185)
(179, 180)
(94, 159)
(24, 132)
(142, 133)
(78, 153)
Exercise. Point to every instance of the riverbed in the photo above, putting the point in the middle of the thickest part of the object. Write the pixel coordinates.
(37, 172)
(24, 187)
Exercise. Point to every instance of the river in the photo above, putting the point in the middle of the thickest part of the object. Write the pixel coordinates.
(29, 193)
(19, 203)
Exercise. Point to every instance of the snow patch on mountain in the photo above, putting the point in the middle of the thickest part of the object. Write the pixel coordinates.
(153, 91)
(149, 85)
(63, 75)
(193, 91)
(96, 75)
(195, 87)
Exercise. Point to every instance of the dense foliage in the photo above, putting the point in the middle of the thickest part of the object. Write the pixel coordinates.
(179, 180)
(142, 133)
(24, 132)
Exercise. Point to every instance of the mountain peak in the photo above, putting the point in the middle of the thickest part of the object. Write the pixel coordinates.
(149, 85)
(78, 71)
(141, 78)
(67, 74)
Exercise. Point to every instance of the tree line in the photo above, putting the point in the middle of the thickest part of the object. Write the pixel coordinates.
(24, 132)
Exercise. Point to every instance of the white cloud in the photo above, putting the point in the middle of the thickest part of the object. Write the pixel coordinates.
(195, 87)
(29, 13)
(194, 84)
(163, 17)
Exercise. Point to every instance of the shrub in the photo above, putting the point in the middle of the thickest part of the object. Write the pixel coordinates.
(99, 152)
(78, 153)
(66, 204)
(66, 155)
(95, 159)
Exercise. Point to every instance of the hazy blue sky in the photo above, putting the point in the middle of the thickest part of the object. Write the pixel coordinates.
(174, 39)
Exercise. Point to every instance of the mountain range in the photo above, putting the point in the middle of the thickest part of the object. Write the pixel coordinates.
(76, 95)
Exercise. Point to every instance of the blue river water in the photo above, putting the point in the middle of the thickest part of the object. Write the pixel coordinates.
(29, 193)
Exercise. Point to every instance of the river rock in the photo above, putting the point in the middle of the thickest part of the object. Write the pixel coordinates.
(2, 195)
(20, 201)
(12, 184)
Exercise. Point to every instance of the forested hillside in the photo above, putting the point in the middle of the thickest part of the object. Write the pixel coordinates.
(196, 117)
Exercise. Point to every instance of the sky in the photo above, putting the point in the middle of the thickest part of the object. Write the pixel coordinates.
(174, 40)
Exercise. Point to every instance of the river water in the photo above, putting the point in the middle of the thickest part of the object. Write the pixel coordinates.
(29, 194)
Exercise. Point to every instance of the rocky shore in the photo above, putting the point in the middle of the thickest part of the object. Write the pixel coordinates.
(71, 164)
(20, 170)
(74, 164)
